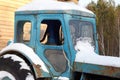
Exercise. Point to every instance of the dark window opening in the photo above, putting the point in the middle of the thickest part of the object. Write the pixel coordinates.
(51, 32)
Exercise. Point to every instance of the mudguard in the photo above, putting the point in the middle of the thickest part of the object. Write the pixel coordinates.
(38, 65)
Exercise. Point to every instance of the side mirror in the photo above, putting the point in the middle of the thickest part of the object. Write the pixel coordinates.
(9, 42)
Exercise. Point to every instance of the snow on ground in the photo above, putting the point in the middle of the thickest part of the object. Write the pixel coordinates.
(86, 54)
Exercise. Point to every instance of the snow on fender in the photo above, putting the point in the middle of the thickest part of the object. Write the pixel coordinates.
(89, 56)
(29, 54)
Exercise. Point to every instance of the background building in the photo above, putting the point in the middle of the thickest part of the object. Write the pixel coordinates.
(7, 9)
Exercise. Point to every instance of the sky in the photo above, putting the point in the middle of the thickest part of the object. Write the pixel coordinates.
(85, 2)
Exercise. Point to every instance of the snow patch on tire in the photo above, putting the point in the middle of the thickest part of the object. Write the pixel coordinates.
(29, 77)
(16, 58)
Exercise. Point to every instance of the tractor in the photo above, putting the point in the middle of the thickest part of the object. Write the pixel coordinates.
(55, 40)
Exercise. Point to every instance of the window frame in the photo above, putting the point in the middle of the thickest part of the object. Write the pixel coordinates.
(83, 21)
(50, 17)
(26, 18)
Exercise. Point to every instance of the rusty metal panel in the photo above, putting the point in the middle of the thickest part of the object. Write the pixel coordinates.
(97, 69)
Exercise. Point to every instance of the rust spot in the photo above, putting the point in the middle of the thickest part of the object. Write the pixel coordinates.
(107, 71)
(37, 69)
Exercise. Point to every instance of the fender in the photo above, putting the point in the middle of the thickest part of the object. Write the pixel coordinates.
(38, 65)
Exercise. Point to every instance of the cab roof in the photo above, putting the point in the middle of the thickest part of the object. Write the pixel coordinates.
(53, 6)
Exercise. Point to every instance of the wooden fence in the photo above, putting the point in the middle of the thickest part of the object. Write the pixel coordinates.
(7, 9)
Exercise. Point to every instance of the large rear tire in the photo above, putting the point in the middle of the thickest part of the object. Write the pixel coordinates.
(13, 67)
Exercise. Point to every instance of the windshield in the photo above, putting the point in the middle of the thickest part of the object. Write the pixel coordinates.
(81, 31)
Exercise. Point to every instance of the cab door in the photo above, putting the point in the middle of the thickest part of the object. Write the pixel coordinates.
(52, 44)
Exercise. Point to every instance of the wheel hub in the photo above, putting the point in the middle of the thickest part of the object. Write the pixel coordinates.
(6, 78)
(4, 75)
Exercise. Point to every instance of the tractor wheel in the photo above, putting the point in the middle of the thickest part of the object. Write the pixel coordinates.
(12, 67)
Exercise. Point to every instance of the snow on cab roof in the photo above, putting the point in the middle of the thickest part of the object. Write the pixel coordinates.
(38, 5)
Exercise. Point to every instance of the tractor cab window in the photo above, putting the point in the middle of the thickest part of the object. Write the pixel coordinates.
(81, 30)
(51, 32)
(23, 31)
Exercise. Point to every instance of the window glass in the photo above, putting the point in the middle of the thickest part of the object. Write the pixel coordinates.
(81, 30)
(57, 59)
(51, 32)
